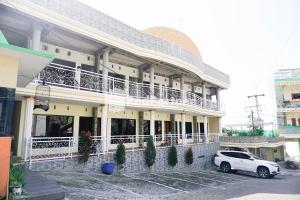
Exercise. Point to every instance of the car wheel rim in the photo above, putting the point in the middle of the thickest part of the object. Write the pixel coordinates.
(263, 173)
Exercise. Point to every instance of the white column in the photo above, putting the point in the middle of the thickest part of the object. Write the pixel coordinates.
(78, 74)
(105, 69)
(220, 126)
(152, 123)
(182, 89)
(205, 129)
(127, 85)
(204, 94)
(183, 128)
(218, 98)
(36, 37)
(29, 104)
(104, 116)
(152, 81)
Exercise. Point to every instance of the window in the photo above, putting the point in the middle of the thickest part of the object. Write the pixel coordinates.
(146, 127)
(52, 126)
(158, 130)
(123, 127)
(298, 121)
(294, 122)
(69, 53)
(56, 50)
(296, 96)
(6, 110)
(188, 129)
(45, 47)
(243, 156)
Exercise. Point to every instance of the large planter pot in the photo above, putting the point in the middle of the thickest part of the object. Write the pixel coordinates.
(108, 168)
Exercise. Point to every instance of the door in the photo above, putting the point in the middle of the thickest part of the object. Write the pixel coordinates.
(246, 163)
(167, 127)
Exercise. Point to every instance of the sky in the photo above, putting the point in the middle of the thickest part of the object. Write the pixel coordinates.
(247, 39)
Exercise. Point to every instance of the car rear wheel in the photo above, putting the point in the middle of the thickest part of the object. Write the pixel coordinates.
(263, 172)
(225, 167)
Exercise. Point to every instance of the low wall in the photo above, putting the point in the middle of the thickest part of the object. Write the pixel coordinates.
(135, 160)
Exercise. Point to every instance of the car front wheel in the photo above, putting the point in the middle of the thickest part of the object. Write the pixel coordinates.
(263, 172)
(225, 167)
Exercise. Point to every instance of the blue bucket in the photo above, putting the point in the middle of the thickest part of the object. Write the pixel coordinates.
(108, 168)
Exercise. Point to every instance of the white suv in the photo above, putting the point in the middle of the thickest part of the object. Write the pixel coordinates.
(230, 161)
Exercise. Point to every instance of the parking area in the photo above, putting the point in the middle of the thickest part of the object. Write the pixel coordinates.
(142, 186)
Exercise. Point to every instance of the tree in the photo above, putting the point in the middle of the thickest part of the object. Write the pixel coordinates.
(120, 156)
(172, 157)
(150, 152)
(189, 156)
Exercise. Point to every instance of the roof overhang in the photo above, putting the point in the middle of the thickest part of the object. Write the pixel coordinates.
(31, 62)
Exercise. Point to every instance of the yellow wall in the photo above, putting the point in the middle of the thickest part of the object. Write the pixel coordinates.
(8, 71)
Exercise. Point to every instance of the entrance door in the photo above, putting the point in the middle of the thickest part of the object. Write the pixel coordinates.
(85, 124)
(167, 127)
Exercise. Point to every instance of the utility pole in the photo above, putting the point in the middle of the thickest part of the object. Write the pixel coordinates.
(256, 103)
(252, 119)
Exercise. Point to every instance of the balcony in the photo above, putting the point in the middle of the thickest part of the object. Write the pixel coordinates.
(68, 77)
(291, 104)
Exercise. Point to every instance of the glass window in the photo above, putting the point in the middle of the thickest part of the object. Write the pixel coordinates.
(158, 130)
(296, 96)
(123, 127)
(244, 156)
(294, 122)
(52, 126)
(146, 127)
(188, 129)
(7, 99)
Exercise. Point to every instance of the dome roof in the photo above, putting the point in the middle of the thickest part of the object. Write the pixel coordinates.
(175, 37)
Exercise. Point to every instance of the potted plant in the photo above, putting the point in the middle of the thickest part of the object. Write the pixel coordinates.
(85, 146)
(120, 156)
(16, 178)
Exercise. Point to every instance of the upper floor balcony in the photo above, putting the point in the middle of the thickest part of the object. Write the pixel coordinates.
(69, 77)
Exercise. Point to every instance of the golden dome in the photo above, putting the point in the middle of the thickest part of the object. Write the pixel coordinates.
(175, 37)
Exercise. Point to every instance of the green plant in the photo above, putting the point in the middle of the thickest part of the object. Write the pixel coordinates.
(120, 156)
(189, 156)
(84, 150)
(150, 152)
(172, 157)
(17, 175)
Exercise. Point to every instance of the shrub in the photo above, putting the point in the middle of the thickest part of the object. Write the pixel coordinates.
(291, 165)
(189, 156)
(84, 150)
(172, 157)
(16, 175)
(150, 152)
(120, 155)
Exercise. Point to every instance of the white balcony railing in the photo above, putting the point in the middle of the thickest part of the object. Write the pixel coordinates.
(68, 77)
(47, 148)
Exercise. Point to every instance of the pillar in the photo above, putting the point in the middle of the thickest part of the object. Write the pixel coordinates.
(36, 36)
(104, 116)
(195, 129)
(183, 96)
(95, 120)
(152, 81)
(183, 128)
(105, 69)
(29, 104)
(204, 94)
(127, 85)
(152, 123)
(218, 98)
(220, 126)
(206, 129)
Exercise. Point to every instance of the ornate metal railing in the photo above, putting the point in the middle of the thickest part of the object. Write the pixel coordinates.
(64, 76)
(47, 148)
(104, 23)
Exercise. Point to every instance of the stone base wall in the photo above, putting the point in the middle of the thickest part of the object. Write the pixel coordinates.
(135, 160)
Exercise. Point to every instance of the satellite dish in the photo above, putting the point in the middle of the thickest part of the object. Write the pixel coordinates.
(42, 97)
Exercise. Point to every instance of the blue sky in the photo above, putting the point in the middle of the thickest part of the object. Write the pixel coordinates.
(247, 39)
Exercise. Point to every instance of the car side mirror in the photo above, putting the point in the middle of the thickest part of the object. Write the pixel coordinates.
(251, 158)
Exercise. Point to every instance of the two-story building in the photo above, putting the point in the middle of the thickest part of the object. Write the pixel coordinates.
(287, 87)
(105, 77)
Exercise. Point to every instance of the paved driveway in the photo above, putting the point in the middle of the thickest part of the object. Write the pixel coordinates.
(144, 186)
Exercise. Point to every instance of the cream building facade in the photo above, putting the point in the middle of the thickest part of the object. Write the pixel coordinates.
(287, 87)
(107, 78)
